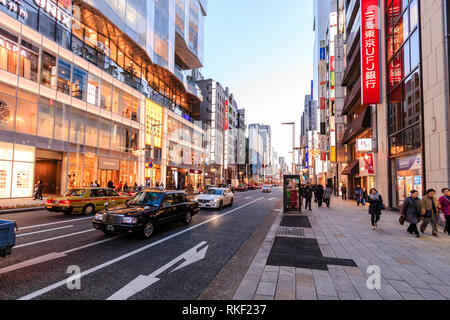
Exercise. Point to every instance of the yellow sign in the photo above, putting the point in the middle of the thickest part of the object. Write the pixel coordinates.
(153, 118)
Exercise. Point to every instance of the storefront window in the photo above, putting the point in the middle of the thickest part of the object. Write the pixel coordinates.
(106, 96)
(48, 70)
(117, 137)
(29, 61)
(26, 117)
(8, 51)
(117, 100)
(46, 118)
(75, 170)
(7, 111)
(5, 177)
(62, 121)
(126, 105)
(135, 109)
(90, 169)
(79, 83)
(93, 89)
(64, 77)
(91, 130)
(77, 125)
(23, 171)
(104, 134)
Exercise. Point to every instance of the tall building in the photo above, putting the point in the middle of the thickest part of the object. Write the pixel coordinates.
(391, 111)
(260, 151)
(87, 87)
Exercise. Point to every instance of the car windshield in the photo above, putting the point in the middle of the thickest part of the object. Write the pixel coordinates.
(217, 192)
(152, 199)
(75, 193)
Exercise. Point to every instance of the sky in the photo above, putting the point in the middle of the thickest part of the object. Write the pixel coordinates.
(262, 51)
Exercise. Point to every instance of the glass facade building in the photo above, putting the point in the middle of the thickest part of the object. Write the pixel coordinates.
(75, 80)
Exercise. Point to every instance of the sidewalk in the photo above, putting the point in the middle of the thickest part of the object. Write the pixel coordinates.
(324, 254)
(22, 203)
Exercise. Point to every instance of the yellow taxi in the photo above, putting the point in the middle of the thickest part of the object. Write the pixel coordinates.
(85, 200)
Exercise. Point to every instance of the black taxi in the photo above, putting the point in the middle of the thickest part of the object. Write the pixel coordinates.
(145, 211)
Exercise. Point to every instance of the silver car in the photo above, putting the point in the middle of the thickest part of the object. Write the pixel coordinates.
(266, 188)
(216, 198)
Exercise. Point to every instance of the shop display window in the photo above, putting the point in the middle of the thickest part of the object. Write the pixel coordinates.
(62, 113)
(117, 142)
(104, 134)
(9, 50)
(93, 89)
(126, 105)
(6, 151)
(26, 117)
(64, 70)
(29, 61)
(135, 109)
(90, 169)
(46, 117)
(5, 178)
(75, 171)
(7, 111)
(48, 70)
(117, 100)
(106, 96)
(79, 83)
(92, 130)
(24, 153)
(77, 125)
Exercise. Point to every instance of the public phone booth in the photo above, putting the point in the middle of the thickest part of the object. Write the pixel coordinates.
(291, 193)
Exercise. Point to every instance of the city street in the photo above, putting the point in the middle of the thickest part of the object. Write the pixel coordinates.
(181, 260)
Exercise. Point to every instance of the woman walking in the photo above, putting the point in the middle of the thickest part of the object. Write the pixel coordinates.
(429, 209)
(375, 207)
(445, 207)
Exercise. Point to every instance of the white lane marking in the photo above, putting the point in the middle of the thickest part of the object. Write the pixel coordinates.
(271, 199)
(108, 263)
(53, 223)
(143, 282)
(50, 256)
(42, 231)
(51, 239)
(247, 198)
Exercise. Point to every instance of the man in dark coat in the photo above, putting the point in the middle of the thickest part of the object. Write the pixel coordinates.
(308, 193)
(319, 195)
(411, 211)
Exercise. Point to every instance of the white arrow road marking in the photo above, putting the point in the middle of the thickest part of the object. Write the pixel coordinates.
(143, 282)
(42, 231)
(50, 256)
(108, 263)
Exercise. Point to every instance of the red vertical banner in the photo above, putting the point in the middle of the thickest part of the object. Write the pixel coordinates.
(226, 115)
(370, 52)
(368, 158)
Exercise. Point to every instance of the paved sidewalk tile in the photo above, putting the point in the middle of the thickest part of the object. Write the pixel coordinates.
(411, 268)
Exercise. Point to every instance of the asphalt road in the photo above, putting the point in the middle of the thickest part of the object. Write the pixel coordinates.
(179, 262)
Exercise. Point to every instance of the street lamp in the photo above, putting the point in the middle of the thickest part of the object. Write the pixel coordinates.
(293, 143)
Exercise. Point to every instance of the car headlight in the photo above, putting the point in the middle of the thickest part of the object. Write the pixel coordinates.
(98, 217)
(129, 220)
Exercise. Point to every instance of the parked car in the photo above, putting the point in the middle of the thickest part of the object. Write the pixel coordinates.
(266, 188)
(216, 198)
(146, 211)
(242, 188)
(206, 188)
(85, 200)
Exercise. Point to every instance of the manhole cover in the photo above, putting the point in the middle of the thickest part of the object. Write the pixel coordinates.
(291, 232)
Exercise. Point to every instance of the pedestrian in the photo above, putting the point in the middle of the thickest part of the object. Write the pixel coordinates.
(157, 184)
(119, 188)
(327, 195)
(125, 187)
(301, 188)
(358, 194)
(39, 188)
(96, 185)
(110, 184)
(444, 201)
(364, 197)
(375, 207)
(308, 194)
(35, 191)
(91, 184)
(161, 186)
(318, 193)
(411, 212)
(344, 193)
(429, 209)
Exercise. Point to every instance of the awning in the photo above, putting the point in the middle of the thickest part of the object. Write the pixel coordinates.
(356, 127)
(352, 168)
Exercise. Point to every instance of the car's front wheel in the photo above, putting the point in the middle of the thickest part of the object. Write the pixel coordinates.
(231, 202)
(221, 205)
(187, 218)
(149, 229)
(89, 210)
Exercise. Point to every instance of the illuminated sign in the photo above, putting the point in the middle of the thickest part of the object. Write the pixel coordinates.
(14, 6)
(153, 118)
(4, 43)
(370, 52)
(364, 145)
(226, 115)
(55, 11)
(369, 166)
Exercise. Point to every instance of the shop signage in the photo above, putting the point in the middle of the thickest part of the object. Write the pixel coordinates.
(368, 160)
(196, 171)
(55, 11)
(153, 119)
(226, 115)
(410, 163)
(108, 164)
(364, 145)
(11, 46)
(370, 52)
(15, 6)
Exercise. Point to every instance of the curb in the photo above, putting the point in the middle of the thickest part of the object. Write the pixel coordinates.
(20, 210)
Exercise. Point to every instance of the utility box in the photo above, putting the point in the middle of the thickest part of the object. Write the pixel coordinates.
(291, 193)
